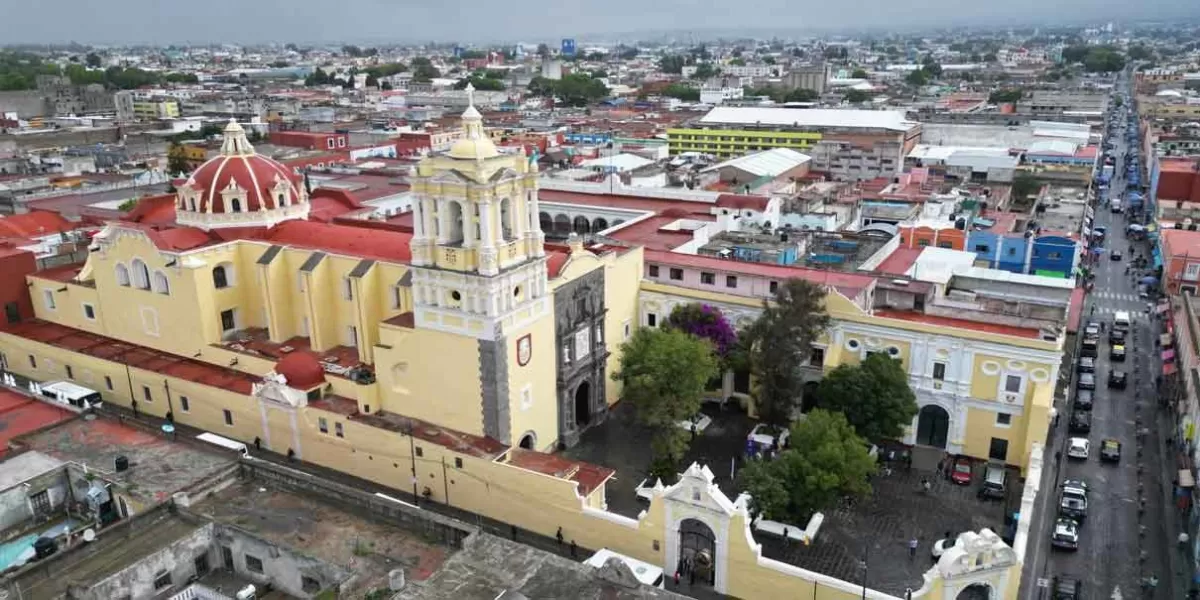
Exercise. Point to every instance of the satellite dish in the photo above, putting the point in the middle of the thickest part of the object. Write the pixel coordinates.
(89, 535)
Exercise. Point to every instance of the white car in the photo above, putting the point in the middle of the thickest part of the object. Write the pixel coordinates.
(1078, 448)
(761, 436)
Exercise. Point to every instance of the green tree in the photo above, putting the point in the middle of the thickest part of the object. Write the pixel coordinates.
(778, 342)
(626, 53)
(1023, 185)
(874, 395)
(93, 60)
(683, 92)
(543, 50)
(663, 372)
(579, 89)
(800, 95)
(1002, 96)
(859, 74)
(824, 461)
(176, 162)
(705, 71)
(856, 96)
(917, 78)
(540, 86)
(738, 62)
(1140, 52)
(671, 63)
(387, 69)
(423, 69)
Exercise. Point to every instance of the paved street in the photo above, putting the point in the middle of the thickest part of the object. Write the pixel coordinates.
(1120, 543)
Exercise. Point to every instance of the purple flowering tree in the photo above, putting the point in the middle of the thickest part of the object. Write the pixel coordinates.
(705, 322)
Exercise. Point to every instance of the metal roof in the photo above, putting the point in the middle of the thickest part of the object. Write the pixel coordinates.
(808, 117)
(768, 163)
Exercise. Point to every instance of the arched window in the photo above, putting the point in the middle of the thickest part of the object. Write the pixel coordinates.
(454, 220)
(236, 205)
(140, 274)
(506, 219)
(221, 276)
(160, 283)
(192, 204)
(122, 275)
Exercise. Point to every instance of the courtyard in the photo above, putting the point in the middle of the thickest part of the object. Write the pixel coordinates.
(874, 530)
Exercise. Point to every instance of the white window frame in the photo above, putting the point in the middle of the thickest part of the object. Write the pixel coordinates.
(122, 275)
(48, 299)
(352, 336)
(234, 313)
(945, 370)
(1003, 425)
(347, 288)
(160, 283)
(85, 306)
(150, 321)
(627, 329)
(1004, 384)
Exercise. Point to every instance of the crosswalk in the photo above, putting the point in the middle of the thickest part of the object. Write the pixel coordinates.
(1116, 296)
(1134, 315)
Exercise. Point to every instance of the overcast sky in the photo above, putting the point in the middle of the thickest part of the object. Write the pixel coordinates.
(380, 21)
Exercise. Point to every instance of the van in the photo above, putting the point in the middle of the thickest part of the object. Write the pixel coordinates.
(646, 573)
(69, 393)
(995, 478)
(1121, 320)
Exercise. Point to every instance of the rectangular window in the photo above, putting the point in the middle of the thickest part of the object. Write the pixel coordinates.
(162, 581)
(228, 417)
(1012, 384)
(708, 278)
(70, 372)
(184, 404)
(730, 281)
(89, 312)
(652, 319)
(817, 357)
(48, 295)
(146, 395)
(1004, 419)
(253, 563)
(773, 286)
(347, 288)
(583, 342)
(420, 452)
(457, 463)
(654, 270)
(337, 430)
(676, 274)
(32, 362)
(352, 336)
(628, 329)
(982, 248)
(939, 371)
(323, 425)
(397, 297)
(228, 323)
(108, 383)
(998, 449)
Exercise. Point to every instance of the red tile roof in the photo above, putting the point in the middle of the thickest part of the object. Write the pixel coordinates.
(20, 414)
(742, 202)
(64, 273)
(465, 443)
(153, 210)
(138, 357)
(586, 475)
(915, 317)
(34, 224)
(899, 261)
(849, 284)
(366, 240)
(555, 260)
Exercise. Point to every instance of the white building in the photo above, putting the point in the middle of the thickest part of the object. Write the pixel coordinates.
(719, 95)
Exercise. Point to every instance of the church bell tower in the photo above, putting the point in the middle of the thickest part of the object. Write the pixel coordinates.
(477, 249)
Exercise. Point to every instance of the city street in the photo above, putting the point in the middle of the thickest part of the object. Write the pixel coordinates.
(1124, 536)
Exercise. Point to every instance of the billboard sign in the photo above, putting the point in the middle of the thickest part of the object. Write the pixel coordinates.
(568, 47)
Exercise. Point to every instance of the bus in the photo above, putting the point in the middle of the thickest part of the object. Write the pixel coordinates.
(69, 393)
(646, 573)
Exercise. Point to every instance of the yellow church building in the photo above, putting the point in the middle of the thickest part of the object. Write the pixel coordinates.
(452, 358)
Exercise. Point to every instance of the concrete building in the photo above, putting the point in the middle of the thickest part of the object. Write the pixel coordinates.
(151, 110)
(719, 95)
(1051, 103)
(807, 77)
(846, 144)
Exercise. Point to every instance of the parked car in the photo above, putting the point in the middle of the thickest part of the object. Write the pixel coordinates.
(1081, 422)
(1089, 349)
(1117, 353)
(1110, 451)
(1087, 381)
(1116, 255)
(1083, 399)
(1116, 336)
(1066, 534)
(766, 436)
(701, 422)
(1073, 501)
(1117, 379)
(960, 472)
(1092, 330)
(1078, 447)
(1067, 588)
(1086, 364)
(995, 481)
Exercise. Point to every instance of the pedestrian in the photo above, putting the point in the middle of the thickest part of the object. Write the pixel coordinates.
(912, 548)
(514, 532)
(559, 537)
(691, 577)
(941, 465)
(677, 578)
(574, 549)
(693, 431)
(1183, 541)
(258, 443)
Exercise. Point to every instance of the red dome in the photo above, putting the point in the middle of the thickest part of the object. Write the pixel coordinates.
(301, 369)
(264, 182)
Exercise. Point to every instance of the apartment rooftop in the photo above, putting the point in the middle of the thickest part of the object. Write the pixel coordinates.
(807, 118)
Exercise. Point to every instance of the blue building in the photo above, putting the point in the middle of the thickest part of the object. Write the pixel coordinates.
(1049, 255)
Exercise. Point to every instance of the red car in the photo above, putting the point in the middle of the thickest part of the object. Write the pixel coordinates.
(960, 471)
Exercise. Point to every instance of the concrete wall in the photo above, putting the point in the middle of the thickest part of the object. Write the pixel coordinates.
(15, 505)
(136, 582)
(26, 103)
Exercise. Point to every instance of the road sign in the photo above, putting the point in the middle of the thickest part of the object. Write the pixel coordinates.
(1043, 582)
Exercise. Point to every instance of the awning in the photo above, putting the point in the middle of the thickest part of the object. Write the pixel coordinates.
(1168, 355)
(1169, 369)
(1186, 480)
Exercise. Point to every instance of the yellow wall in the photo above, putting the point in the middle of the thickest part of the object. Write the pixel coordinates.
(540, 376)
(432, 376)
